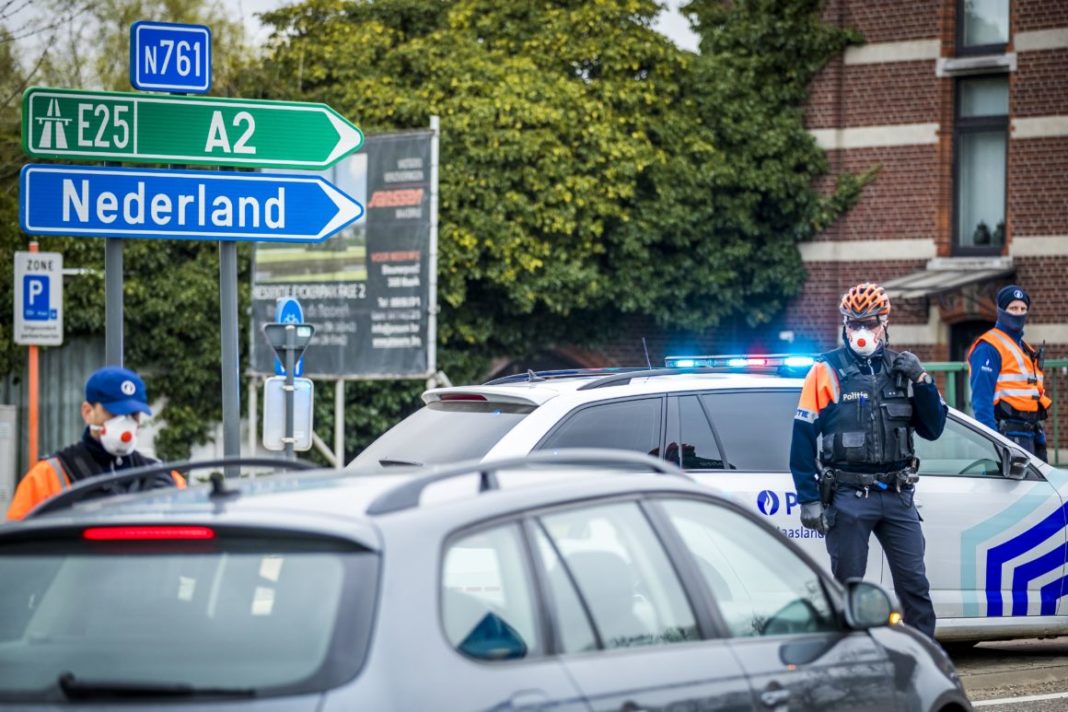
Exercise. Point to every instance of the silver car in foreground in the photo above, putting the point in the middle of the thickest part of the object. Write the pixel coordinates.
(580, 580)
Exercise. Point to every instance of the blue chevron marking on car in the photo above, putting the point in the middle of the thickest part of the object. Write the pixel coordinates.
(998, 556)
(972, 538)
(1025, 573)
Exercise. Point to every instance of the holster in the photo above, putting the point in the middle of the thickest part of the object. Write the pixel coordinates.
(828, 484)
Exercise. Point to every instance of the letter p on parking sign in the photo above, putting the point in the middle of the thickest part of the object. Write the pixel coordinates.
(39, 298)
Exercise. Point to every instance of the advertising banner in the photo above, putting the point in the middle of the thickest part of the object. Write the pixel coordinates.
(368, 289)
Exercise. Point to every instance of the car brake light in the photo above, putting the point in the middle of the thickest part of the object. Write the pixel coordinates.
(148, 533)
(462, 397)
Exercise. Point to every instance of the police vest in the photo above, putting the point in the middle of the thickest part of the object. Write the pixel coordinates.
(870, 424)
(1021, 383)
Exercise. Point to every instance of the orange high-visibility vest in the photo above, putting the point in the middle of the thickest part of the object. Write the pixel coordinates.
(1021, 383)
(46, 479)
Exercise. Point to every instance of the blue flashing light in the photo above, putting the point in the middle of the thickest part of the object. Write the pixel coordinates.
(683, 363)
(738, 362)
(799, 361)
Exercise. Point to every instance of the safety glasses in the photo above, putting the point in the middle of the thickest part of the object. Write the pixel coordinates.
(869, 324)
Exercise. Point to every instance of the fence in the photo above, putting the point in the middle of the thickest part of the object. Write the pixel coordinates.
(953, 380)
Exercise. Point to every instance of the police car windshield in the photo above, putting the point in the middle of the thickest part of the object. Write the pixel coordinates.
(441, 432)
(177, 618)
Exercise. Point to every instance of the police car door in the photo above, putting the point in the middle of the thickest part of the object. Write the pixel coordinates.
(739, 443)
(995, 546)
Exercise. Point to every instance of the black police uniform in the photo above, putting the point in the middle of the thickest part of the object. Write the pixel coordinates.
(868, 446)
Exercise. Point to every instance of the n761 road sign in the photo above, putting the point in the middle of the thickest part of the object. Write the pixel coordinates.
(191, 205)
(137, 128)
(166, 56)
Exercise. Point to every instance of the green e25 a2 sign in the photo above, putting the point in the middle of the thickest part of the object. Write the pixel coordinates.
(137, 128)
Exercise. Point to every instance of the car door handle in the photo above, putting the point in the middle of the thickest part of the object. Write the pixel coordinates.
(528, 699)
(774, 698)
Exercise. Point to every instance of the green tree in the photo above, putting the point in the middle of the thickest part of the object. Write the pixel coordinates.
(589, 168)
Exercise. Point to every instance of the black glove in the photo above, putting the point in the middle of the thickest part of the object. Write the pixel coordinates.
(814, 516)
(907, 363)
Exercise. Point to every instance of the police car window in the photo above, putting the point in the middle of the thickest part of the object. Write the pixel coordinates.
(442, 432)
(761, 587)
(697, 445)
(618, 425)
(487, 603)
(623, 575)
(754, 427)
(959, 451)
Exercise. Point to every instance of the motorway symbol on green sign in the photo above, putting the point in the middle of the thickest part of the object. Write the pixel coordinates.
(140, 128)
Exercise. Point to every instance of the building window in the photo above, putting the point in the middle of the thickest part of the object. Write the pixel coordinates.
(982, 26)
(981, 143)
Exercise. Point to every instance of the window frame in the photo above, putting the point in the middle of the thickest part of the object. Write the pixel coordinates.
(831, 588)
(710, 625)
(725, 453)
(574, 412)
(963, 50)
(969, 125)
(1032, 474)
(674, 400)
(547, 638)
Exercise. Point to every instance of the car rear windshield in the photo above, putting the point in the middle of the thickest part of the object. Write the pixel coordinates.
(234, 616)
(442, 432)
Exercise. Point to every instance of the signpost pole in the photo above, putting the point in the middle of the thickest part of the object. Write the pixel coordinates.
(33, 386)
(291, 366)
(339, 423)
(231, 376)
(113, 317)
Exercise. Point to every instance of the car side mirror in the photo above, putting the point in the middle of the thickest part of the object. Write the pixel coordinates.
(868, 605)
(1014, 464)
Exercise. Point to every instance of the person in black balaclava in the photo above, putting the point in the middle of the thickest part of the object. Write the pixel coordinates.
(1008, 387)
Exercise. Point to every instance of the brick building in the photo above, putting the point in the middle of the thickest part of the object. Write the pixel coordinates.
(963, 104)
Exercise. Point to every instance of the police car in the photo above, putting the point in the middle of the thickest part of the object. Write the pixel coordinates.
(995, 518)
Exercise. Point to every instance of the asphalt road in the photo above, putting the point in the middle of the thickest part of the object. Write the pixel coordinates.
(1016, 675)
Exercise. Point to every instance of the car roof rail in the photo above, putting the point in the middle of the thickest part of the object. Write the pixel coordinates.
(616, 379)
(407, 495)
(159, 472)
(532, 376)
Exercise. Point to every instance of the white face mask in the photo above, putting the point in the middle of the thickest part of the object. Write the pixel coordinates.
(118, 435)
(863, 341)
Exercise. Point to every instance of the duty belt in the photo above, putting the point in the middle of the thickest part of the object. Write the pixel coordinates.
(864, 481)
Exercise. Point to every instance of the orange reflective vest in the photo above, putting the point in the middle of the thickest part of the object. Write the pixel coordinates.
(47, 479)
(1021, 383)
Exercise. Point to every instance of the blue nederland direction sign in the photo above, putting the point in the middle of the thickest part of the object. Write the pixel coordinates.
(181, 204)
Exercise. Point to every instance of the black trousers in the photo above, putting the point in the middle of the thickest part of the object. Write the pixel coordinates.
(892, 517)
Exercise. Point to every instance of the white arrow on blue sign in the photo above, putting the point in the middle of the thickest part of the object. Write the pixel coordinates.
(287, 310)
(190, 205)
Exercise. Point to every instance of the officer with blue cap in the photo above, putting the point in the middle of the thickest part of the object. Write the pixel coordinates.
(115, 402)
(1008, 386)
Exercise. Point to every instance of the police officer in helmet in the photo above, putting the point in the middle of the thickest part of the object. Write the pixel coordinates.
(867, 400)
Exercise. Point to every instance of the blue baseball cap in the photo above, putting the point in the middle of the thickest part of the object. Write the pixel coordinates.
(119, 390)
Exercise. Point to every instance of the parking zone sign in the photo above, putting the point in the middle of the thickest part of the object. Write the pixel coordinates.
(39, 298)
